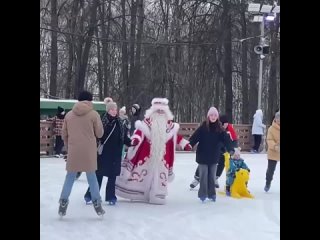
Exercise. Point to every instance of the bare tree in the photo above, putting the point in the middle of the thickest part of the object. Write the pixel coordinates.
(54, 48)
(184, 50)
(84, 53)
(244, 62)
(105, 44)
(124, 63)
(228, 58)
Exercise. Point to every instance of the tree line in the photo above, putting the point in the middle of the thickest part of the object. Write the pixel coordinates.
(134, 50)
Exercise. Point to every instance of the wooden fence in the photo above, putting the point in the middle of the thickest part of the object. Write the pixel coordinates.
(46, 138)
(186, 130)
(243, 131)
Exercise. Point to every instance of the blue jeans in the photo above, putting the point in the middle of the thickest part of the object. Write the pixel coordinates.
(92, 181)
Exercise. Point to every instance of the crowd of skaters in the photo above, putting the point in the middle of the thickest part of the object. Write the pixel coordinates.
(215, 138)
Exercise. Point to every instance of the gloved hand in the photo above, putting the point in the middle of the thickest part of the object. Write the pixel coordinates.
(188, 147)
(134, 142)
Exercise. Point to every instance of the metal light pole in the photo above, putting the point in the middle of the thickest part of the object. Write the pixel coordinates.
(260, 66)
(259, 10)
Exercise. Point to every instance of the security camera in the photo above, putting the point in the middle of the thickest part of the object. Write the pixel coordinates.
(258, 49)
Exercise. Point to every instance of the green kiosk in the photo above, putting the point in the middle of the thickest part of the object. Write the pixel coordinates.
(48, 107)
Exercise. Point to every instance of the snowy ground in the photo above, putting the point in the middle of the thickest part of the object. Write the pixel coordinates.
(183, 217)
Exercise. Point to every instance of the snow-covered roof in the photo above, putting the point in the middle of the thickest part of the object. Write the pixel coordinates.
(64, 100)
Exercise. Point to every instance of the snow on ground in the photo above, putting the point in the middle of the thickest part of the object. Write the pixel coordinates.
(183, 217)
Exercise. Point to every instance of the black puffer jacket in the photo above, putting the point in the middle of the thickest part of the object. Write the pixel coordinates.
(211, 141)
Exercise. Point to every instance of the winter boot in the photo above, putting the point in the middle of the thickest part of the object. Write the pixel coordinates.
(213, 198)
(194, 183)
(112, 201)
(63, 207)
(216, 182)
(228, 193)
(98, 208)
(267, 187)
(87, 198)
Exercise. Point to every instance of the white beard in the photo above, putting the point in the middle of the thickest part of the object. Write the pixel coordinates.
(157, 138)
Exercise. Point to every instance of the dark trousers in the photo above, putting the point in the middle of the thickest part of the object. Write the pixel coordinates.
(220, 168)
(270, 171)
(59, 145)
(110, 188)
(257, 142)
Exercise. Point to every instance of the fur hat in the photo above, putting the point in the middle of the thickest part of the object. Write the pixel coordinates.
(110, 104)
(213, 111)
(159, 104)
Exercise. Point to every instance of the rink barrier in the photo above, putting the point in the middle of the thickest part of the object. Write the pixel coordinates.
(46, 138)
(186, 130)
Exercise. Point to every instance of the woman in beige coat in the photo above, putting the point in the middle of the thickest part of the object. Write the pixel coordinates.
(82, 126)
(273, 141)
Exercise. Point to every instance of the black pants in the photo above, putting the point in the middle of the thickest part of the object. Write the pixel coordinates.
(110, 188)
(59, 145)
(257, 142)
(270, 171)
(220, 168)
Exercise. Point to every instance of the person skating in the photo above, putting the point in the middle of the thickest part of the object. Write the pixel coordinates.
(234, 143)
(109, 161)
(273, 141)
(148, 167)
(81, 127)
(210, 137)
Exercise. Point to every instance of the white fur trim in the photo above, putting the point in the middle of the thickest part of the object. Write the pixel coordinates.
(156, 107)
(132, 151)
(171, 178)
(137, 137)
(173, 132)
(183, 143)
(164, 101)
(142, 126)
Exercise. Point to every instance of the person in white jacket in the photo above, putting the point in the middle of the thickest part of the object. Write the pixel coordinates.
(257, 130)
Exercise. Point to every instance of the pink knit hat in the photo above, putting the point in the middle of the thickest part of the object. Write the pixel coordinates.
(213, 111)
